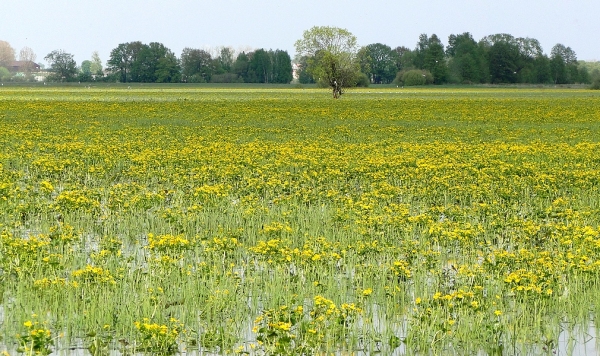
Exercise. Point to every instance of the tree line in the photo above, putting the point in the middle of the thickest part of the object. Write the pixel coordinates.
(155, 63)
(495, 59)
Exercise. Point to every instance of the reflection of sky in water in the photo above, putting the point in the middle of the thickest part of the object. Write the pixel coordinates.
(579, 344)
(582, 343)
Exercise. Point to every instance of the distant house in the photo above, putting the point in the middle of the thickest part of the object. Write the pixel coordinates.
(23, 66)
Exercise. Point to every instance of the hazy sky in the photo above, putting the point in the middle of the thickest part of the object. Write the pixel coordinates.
(83, 26)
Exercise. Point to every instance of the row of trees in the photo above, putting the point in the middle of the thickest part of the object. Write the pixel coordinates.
(260, 66)
(329, 56)
(155, 63)
(499, 58)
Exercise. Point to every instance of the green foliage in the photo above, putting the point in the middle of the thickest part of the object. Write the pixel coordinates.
(414, 77)
(138, 62)
(96, 65)
(263, 66)
(362, 80)
(240, 66)
(37, 340)
(282, 67)
(378, 62)
(197, 65)
(503, 62)
(466, 59)
(563, 64)
(225, 59)
(595, 84)
(62, 66)
(331, 54)
(158, 338)
(404, 58)
(4, 74)
(85, 72)
(304, 72)
(430, 55)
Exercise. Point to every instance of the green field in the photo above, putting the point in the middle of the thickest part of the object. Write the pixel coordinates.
(278, 221)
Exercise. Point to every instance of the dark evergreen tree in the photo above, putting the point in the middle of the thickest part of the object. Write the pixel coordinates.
(282, 67)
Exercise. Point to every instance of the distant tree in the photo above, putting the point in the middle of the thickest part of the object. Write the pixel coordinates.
(542, 70)
(331, 53)
(120, 62)
(563, 64)
(138, 51)
(404, 58)
(4, 74)
(96, 65)
(584, 75)
(260, 63)
(529, 48)
(434, 60)
(139, 62)
(156, 64)
(282, 67)
(28, 57)
(430, 55)
(240, 66)
(504, 62)
(62, 66)
(85, 71)
(466, 60)
(490, 40)
(7, 54)
(419, 52)
(226, 58)
(595, 81)
(197, 65)
(414, 77)
(303, 72)
(124, 59)
(378, 62)
(364, 61)
(168, 69)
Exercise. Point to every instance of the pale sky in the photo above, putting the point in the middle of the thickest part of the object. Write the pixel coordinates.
(83, 26)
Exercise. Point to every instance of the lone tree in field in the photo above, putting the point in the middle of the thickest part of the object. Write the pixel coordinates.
(62, 66)
(330, 54)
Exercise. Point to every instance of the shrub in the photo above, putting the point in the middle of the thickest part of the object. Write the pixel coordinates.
(4, 74)
(362, 80)
(414, 77)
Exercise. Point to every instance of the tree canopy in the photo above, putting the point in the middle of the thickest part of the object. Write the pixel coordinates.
(328, 56)
(62, 66)
(331, 55)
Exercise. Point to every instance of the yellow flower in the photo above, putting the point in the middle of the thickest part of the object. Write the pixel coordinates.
(497, 312)
(367, 292)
